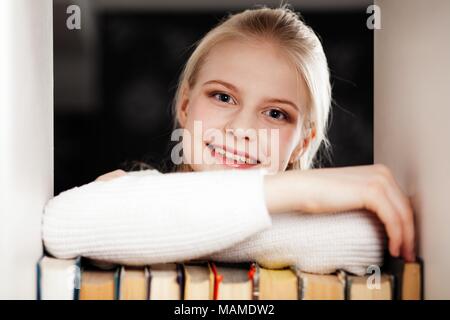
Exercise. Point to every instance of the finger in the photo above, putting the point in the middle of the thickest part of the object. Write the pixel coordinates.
(382, 206)
(111, 175)
(412, 257)
(102, 178)
(118, 173)
(404, 209)
(406, 216)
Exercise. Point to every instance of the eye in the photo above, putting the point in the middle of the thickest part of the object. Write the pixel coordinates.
(222, 97)
(277, 114)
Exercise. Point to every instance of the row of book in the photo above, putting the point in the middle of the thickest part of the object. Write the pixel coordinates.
(83, 279)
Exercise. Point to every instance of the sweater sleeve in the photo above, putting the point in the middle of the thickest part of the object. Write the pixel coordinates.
(140, 219)
(317, 243)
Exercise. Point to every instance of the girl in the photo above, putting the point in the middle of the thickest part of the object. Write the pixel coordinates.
(237, 194)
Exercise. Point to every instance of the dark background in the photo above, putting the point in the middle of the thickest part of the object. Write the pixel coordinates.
(116, 77)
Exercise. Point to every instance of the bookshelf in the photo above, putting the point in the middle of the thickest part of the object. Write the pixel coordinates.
(410, 52)
(26, 139)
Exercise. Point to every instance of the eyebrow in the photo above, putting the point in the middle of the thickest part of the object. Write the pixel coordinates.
(270, 100)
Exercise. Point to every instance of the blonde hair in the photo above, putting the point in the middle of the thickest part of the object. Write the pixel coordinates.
(303, 49)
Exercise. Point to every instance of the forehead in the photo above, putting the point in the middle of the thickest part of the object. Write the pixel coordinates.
(254, 68)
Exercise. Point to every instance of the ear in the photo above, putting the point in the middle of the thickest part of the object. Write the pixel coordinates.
(183, 106)
(302, 146)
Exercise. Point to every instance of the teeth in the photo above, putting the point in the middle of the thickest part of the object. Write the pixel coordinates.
(232, 156)
(219, 151)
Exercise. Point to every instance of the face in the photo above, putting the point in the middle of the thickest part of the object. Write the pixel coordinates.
(245, 110)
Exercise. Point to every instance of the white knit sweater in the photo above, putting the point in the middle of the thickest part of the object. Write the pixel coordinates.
(147, 217)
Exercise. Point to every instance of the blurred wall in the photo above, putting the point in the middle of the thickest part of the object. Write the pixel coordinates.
(412, 112)
(26, 139)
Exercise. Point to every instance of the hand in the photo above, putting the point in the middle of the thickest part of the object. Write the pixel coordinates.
(370, 187)
(111, 175)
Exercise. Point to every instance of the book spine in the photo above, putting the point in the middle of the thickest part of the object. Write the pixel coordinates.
(254, 275)
(117, 283)
(77, 279)
(180, 280)
(38, 279)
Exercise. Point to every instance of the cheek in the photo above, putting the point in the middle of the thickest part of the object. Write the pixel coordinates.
(286, 144)
(201, 118)
(202, 113)
(201, 110)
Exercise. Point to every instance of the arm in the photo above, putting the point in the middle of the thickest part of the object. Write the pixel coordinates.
(139, 220)
(370, 187)
(311, 191)
(317, 243)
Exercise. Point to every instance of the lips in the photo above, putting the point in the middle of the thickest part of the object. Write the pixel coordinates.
(231, 156)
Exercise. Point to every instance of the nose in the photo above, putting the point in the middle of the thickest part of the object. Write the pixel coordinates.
(241, 126)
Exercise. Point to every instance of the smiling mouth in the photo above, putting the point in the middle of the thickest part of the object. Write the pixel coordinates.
(232, 157)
